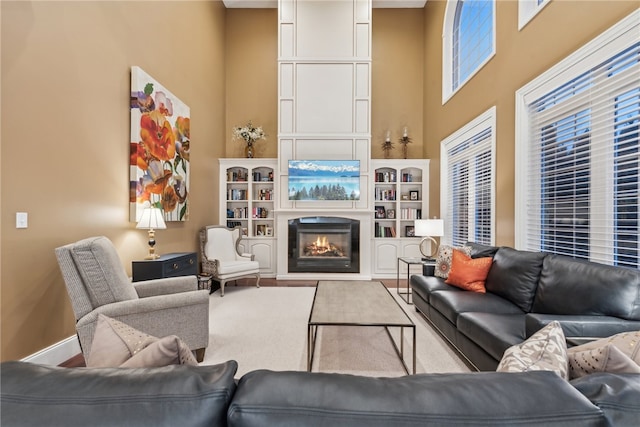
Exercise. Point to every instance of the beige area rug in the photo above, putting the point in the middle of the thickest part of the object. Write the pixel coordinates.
(266, 328)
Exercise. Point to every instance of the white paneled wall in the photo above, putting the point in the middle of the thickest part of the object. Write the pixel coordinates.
(324, 103)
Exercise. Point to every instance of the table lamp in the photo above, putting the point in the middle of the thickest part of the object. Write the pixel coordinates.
(429, 228)
(151, 220)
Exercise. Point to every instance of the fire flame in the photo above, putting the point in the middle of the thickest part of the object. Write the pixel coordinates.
(322, 243)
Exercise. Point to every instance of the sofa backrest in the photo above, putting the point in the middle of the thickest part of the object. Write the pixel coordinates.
(578, 287)
(514, 276)
(175, 395)
(479, 250)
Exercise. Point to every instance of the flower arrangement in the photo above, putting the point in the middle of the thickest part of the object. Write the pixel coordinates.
(249, 134)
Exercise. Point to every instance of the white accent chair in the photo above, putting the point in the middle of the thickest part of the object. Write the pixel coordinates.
(97, 283)
(221, 256)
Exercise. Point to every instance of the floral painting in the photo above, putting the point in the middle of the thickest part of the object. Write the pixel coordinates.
(159, 149)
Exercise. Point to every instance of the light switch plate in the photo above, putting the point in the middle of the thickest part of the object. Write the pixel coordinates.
(22, 220)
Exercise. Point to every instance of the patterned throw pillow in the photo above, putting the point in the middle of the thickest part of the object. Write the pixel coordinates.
(444, 257)
(467, 273)
(608, 358)
(618, 353)
(627, 342)
(546, 350)
(118, 344)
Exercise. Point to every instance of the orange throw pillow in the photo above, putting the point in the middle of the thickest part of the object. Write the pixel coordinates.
(469, 273)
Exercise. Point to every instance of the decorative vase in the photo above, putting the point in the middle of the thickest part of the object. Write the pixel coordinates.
(249, 150)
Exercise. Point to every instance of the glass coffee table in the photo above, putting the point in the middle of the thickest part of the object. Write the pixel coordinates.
(358, 303)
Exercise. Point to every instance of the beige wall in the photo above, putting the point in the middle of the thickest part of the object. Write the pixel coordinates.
(558, 30)
(397, 80)
(252, 77)
(65, 139)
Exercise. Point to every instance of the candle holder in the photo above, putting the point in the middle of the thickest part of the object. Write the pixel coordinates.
(387, 145)
(405, 140)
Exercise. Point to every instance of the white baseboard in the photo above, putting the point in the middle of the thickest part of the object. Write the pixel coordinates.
(57, 353)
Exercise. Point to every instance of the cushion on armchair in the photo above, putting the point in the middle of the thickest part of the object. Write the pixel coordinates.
(233, 267)
(116, 344)
(98, 263)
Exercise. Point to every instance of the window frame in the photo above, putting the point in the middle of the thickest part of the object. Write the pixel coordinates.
(527, 10)
(484, 121)
(616, 39)
(447, 50)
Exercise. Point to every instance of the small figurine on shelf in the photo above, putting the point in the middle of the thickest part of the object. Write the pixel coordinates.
(405, 140)
(387, 145)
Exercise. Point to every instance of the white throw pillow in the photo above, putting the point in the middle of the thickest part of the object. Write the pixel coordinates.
(546, 350)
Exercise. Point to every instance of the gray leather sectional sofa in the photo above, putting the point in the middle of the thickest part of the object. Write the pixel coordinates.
(526, 291)
(181, 395)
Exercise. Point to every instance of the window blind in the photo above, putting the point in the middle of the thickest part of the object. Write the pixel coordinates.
(472, 38)
(470, 182)
(583, 158)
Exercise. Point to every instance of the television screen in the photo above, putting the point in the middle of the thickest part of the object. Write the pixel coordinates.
(324, 179)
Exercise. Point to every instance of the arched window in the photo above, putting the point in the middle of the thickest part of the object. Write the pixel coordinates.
(468, 42)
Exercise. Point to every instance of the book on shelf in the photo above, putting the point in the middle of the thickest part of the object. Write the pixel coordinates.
(384, 230)
(236, 194)
(407, 177)
(410, 213)
(236, 175)
(265, 194)
(385, 194)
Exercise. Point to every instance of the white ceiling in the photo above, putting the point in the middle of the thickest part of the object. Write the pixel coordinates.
(268, 4)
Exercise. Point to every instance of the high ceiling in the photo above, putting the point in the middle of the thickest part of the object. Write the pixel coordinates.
(266, 4)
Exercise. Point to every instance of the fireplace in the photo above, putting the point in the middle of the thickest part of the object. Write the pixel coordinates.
(324, 245)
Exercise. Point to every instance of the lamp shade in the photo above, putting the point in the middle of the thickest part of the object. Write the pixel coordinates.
(429, 227)
(151, 219)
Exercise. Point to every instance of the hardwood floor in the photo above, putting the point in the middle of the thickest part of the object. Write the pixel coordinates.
(77, 361)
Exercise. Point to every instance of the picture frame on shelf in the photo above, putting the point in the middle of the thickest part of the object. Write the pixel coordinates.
(380, 212)
(414, 195)
(410, 231)
(245, 232)
(391, 214)
(404, 197)
(268, 231)
(261, 230)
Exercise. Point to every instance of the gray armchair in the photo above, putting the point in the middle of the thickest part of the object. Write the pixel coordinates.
(97, 283)
(221, 256)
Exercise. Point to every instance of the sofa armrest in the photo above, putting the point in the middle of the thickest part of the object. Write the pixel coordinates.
(618, 395)
(581, 328)
(166, 286)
